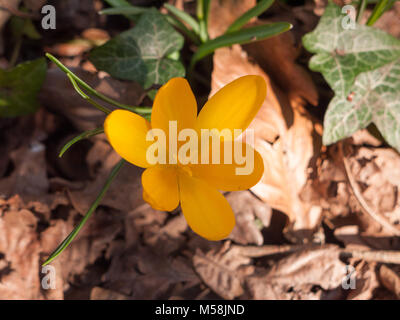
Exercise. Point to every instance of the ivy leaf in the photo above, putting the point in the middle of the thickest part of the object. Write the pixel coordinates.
(343, 53)
(141, 53)
(19, 88)
(374, 97)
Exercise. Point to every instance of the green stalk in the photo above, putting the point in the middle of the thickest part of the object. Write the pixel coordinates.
(192, 22)
(179, 25)
(83, 135)
(93, 207)
(86, 97)
(84, 85)
(379, 9)
(203, 33)
(361, 8)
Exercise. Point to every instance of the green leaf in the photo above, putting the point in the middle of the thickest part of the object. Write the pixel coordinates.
(343, 53)
(122, 4)
(82, 136)
(23, 27)
(374, 98)
(123, 10)
(66, 242)
(19, 88)
(141, 54)
(379, 9)
(253, 12)
(184, 17)
(240, 37)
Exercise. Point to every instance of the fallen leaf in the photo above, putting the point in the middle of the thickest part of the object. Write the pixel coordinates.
(390, 279)
(251, 216)
(223, 270)
(224, 12)
(277, 56)
(294, 276)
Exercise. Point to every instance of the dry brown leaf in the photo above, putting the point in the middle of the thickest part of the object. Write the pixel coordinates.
(247, 209)
(225, 12)
(142, 273)
(230, 64)
(294, 276)
(375, 174)
(366, 281)
(19, 248)
(390, 279)
(286, 139)
(277, 56)
(286, 171)
(29, 179)
(98, 293)
(223, 270)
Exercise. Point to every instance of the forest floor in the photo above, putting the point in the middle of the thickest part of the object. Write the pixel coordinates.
(320, 217)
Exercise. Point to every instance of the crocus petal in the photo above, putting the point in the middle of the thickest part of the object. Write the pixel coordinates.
(126, 132)
(232, 176)
(206, 210)
(160, 187)
(174, 102)
(234, 106)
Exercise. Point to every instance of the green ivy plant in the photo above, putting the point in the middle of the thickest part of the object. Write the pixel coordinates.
(362, 66)
(19, 87)
(151, 48)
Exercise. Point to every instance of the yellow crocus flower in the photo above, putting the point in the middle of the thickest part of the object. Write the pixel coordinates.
(193, 186)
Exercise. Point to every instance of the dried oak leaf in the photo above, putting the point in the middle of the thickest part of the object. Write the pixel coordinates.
(287, 140)
(223, 270)
(366, 281)
(287, 164)
(29, 178)
(247, 209)
(294, 276)
(225, 12)
(142, 273)
(376, 175)
(19, 248)
(390, 279)
(277, 57)
(232, 63)
(99, 293)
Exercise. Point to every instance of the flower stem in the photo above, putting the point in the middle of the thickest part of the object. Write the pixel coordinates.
(83, 135)
(84, 85)
(92, 208)
(86, 97)
(379, 9)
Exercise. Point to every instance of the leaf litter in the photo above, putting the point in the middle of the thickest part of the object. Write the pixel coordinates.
(315, 210)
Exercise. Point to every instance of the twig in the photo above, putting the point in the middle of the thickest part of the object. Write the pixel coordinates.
(357, 193)
(383, 256)
(269, 250)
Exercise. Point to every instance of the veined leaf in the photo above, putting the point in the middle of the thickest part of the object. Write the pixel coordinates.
(19, 88)
(374, 97)
(343, 52)
(141, 54)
